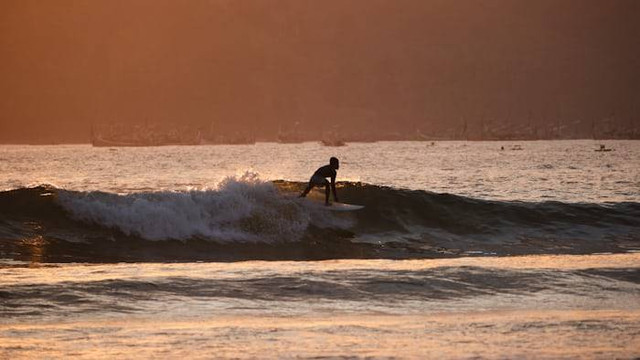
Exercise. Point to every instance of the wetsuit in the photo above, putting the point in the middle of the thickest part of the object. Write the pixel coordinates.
(319, 178)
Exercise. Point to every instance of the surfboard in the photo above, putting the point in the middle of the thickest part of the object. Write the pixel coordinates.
(335, 206)
(343, 207)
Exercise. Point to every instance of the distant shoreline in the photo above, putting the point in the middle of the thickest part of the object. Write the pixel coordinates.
(346, 141)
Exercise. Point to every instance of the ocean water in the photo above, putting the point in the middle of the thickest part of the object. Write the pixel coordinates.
(463, 250)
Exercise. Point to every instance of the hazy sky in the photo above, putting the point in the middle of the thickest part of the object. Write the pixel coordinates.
(353, 64)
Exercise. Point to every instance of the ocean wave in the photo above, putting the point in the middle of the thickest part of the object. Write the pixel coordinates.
(262, 219)
(238, 210)
(244, 209)
(408, 210)
(375, 286)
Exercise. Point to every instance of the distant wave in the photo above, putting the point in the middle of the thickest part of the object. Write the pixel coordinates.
(251, 218)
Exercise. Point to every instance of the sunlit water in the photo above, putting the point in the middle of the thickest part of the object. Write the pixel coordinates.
(542, 170)
(499, 307)
(544, 306)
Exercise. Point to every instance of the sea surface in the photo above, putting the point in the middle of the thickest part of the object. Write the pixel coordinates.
(463, 250)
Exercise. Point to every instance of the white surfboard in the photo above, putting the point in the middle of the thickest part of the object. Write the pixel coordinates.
(335, 206)
(343, 207)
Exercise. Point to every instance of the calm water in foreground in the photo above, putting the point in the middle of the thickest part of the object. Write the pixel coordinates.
(463, 250)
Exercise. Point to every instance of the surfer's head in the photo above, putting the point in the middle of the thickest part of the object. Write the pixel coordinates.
(334, 163)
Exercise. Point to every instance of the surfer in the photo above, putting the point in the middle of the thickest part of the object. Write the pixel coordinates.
(319, 178)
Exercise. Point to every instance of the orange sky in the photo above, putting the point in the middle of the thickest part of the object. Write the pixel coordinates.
(355, 64)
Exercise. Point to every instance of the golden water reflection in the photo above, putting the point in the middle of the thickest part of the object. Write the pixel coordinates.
(36, 248)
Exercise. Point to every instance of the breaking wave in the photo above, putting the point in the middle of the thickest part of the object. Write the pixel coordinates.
(250, 218)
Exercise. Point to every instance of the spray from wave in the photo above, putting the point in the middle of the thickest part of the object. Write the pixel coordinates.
(240, 210)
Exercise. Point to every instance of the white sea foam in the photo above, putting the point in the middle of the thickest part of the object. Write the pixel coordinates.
(244, 209)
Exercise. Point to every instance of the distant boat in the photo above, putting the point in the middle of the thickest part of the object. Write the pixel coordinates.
(241, 140)
(332, 142)
(98, 140)
(603, 149)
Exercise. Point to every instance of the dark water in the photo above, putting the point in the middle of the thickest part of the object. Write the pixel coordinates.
(409, 289)
(261, 220)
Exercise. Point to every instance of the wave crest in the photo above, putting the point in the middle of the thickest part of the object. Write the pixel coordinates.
(239, 209)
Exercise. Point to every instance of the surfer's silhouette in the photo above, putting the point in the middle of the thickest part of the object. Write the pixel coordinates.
(319, 178)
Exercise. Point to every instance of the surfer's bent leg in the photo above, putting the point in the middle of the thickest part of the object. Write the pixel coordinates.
(306, 191)
(326, 184)
(326, 193)
(312, 182)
